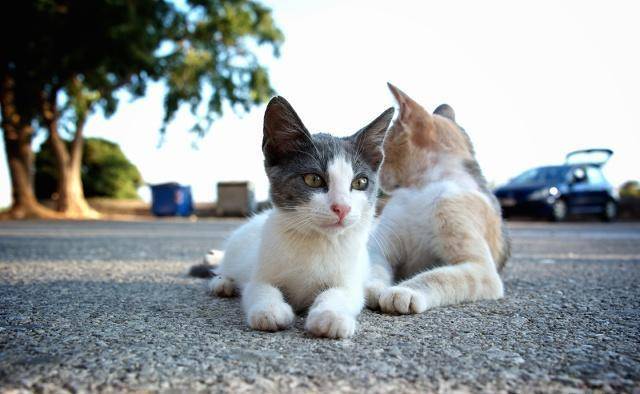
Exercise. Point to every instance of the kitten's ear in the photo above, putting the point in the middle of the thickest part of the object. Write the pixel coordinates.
(368, 140)
(405, 103)
(283, 131)
(413, 118)
(447, 111)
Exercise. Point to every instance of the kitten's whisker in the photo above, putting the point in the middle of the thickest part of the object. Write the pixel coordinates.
(377, 241)
(384, 234)
(387, 249)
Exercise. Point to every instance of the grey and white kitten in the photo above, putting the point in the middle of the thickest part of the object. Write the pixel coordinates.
(310, 250)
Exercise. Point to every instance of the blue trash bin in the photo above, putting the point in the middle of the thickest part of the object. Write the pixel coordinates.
(171, 199)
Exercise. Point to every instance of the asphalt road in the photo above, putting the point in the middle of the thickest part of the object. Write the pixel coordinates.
(108, 306)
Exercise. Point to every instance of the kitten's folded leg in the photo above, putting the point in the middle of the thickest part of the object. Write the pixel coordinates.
(333, 313)
(473, 280)
(463, 228)
(265, 307)
(380, 278)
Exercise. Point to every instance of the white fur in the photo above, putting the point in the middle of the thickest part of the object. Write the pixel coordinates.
(404, 239)
(285, 261)
(404, 233)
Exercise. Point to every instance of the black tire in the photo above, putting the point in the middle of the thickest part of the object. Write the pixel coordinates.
(609, 211)
(559, 211)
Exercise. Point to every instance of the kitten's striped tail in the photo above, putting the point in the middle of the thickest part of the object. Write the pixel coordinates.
(206, 269)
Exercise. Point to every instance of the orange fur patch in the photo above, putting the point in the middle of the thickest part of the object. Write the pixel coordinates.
(465, 223)
(415, 136)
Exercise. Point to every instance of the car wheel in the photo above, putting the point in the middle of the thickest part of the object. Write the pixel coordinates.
(559, 211)
(610, 211)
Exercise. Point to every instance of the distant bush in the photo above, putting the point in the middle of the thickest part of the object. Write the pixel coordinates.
(630, 200)
(106, 171)
(630, 189)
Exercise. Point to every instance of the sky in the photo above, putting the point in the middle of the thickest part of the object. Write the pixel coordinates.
(529, 81)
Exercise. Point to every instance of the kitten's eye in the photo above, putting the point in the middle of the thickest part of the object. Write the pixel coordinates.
(360, 183)
(313, 180)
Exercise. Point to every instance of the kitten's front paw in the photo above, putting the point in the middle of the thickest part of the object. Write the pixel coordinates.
(372, 295)
(222, 287)
(330, 324)
(272, 317)
(402, 300)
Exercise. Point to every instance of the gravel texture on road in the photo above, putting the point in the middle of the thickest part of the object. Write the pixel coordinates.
(107, 306)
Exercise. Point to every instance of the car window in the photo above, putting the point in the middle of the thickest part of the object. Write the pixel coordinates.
(579, 175)
(595, 176)
(541, 175)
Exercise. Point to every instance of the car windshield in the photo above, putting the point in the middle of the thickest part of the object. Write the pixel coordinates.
(541, 175)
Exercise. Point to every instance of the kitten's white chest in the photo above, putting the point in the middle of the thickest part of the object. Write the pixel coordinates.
(313, 274)
(303, 268)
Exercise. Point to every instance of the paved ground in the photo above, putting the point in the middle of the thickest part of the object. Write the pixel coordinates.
(107, 306)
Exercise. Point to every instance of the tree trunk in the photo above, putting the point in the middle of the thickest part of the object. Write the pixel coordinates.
(70, 200)
(17, 140)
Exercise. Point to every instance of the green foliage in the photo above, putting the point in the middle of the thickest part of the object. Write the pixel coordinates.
(103, 44)
(106, 172)
(96, 47)
(630, 189)
(212, 47)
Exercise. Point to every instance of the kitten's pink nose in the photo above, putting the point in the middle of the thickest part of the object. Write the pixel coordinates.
(341, 210)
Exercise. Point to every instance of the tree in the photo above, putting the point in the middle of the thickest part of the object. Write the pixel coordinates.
(105, 170)
(68, 157)
(18, 130)
(76, 55)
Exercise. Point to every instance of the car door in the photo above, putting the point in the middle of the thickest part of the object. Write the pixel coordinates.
(579, 189)
(587, 189)
(599, 191)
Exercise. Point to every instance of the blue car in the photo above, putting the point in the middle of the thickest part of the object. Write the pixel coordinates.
(577, 187)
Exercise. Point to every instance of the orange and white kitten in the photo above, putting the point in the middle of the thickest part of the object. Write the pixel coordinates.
(440, 239)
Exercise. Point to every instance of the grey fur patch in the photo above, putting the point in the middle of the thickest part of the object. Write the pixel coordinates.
(291, 152)
(506, 247)
(446, 110)
(473, 168)
(203, 270)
